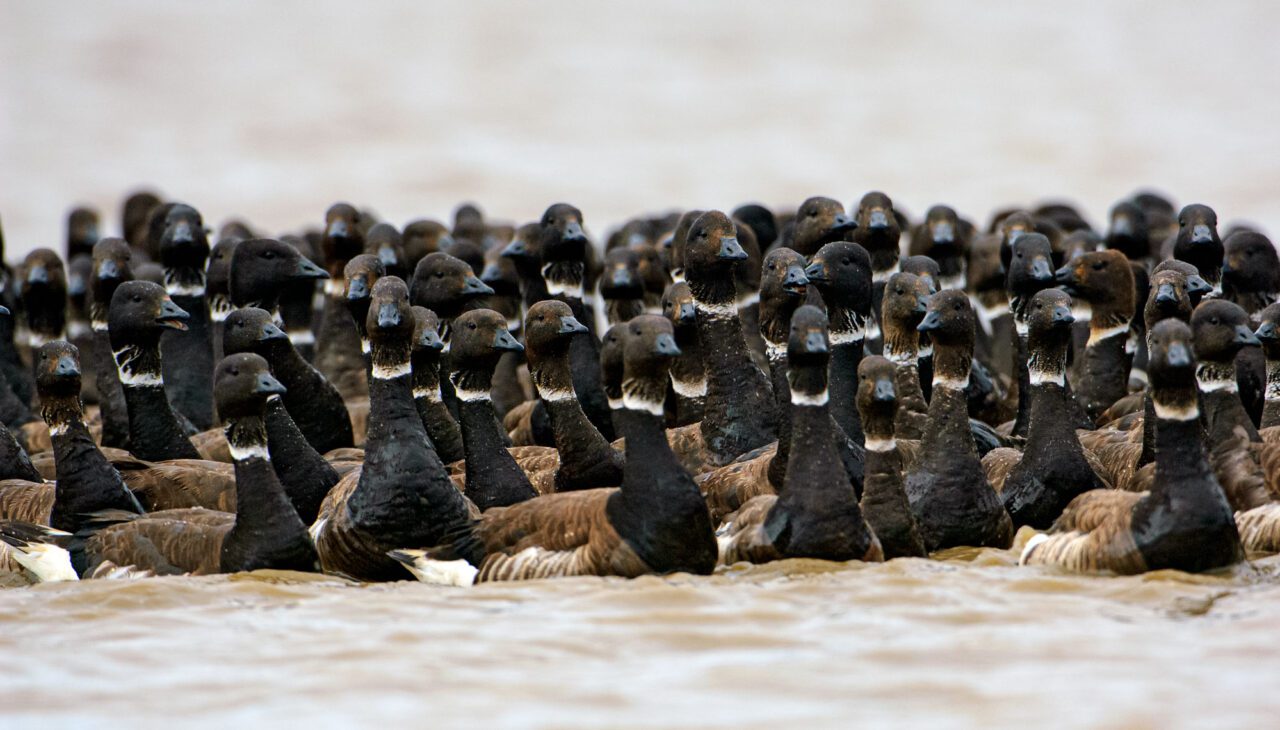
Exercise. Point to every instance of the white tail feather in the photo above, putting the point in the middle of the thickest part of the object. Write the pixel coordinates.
(1030, 547)
(48, 563)
(436, 572)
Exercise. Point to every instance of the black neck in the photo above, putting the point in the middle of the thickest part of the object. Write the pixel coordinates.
(267, 531)
(1022, 420)
(1185, 521)
(188, 360)
(1271, 404)
(154, 431)
(14, 463)
(737, 412)
(1220, 398)
(313, 403)
(86, 481)
(582, 448)
(441, 427)
(494, 479)
(1104, 372)
(111, 403)
(846, 354)
(303, 472)
(659, 510)
(404, 495)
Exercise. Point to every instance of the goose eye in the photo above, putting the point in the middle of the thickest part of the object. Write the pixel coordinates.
(957, 307)
(137, 298)
(268, 254)
(846, 262)
(900, 292)
(472, 325)
(1099, 265)
(439, 274)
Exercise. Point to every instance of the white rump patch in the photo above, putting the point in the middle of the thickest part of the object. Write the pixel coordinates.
(47, 562)
(317, 527)
(1030, 547)
(616, 404)
(436, 572)
(808, 399)
(390, 372)
(335, 287)
(1214, 385)
(365, 345)
(748, 300)
(99, 325)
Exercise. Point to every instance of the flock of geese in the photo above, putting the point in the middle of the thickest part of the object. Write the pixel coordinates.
(486, 402)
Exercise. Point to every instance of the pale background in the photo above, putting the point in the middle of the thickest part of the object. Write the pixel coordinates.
(274, 110)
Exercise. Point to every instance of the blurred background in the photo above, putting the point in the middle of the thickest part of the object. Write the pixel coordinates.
(272, 111)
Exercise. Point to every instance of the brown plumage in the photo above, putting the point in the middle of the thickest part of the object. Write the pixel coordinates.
(26, 501)
(169, 542)
(557, 535)
(729, 488)
(182, 484)
(1260, 528)
(518, 423)
(998, 463)
(1093, 534)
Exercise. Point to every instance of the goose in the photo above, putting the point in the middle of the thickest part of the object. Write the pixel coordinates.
(738, 416)
(816, 514)
(313, 403)
(493, 477)
(263, 532)
(655, 522)
(884, 500)
(1198, 244)
(402, 494)
(1184, 521)
(1052, 469)
(338, 349)
(688, 392)
(187, 354)
(85, 481)
(1104, 281)
(841, 272)
(111, 266)
(949, 493)
(441, 427)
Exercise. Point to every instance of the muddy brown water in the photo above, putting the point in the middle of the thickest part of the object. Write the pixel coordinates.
(967, 640)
